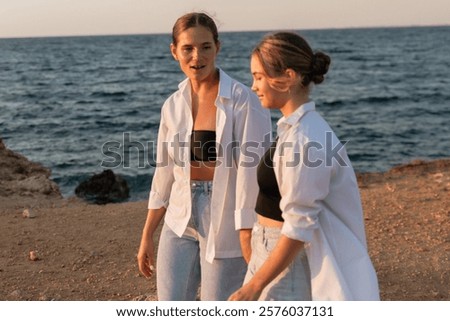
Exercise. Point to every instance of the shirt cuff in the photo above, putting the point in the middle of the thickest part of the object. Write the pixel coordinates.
(244, 218)
(155, 201)
(298, 228)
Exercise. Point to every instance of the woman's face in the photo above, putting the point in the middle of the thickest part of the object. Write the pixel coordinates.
(196, 52)
(269, 97)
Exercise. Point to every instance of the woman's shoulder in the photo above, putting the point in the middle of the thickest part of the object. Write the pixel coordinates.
(232, 86)
(172, 108)
(173, 100)
(177, 95)
(313, 128)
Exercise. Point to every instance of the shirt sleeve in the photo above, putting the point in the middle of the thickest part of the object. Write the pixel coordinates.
(163, 176)
(252, 133)
(304, 182)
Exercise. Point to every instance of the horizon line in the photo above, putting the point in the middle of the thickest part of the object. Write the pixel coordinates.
(227, 31)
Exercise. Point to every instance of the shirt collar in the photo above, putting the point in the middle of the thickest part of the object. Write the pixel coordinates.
(224, 85)
(297, 114)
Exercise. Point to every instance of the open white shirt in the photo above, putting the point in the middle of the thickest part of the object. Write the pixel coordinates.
(242, 126)
(321, 206)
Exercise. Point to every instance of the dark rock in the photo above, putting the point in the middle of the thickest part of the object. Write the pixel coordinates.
(20, 177)
(104, 188)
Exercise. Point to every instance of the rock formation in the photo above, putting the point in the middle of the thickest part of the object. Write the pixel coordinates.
(20, 177)
(103, 188)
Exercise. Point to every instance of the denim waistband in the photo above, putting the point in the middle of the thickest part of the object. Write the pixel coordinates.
(206, 186)
(267, 231)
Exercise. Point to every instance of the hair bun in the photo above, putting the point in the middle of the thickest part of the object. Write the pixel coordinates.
(319, 67)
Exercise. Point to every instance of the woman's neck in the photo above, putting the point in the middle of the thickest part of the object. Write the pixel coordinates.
(294, 102)
(205, 85)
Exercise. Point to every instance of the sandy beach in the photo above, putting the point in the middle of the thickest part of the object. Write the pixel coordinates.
(83, 251)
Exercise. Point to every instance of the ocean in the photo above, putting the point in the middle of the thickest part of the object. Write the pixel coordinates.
(64, 101)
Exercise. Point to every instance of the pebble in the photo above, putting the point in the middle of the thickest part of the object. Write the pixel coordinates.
(17, 294)
(28, 213)
(44, 297)
(33, 256)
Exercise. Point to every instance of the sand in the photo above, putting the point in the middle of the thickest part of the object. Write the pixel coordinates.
(88, 252)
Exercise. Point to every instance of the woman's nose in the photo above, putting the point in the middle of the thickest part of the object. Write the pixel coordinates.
(195, 54)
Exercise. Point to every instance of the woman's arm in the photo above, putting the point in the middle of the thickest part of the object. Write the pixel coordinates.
(245, 237)
(252, 132)
(279, 259)
(146, 256)
(158, 199)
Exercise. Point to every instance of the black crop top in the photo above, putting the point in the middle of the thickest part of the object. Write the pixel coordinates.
(203, 146)
(269, 197)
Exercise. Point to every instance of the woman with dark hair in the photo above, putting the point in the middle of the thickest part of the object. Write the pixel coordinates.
(204, 184)
(309, 240)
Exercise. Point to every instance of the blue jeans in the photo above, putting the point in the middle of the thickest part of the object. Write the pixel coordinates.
(181, 263)
(294, 283)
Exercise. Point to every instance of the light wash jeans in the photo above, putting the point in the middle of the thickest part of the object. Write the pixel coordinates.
(294, 283)
(181, 264)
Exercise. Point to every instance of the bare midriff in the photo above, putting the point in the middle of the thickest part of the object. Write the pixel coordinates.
(268, 222)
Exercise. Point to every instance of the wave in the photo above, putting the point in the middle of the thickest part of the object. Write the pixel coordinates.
(358, 100)
(105, 94)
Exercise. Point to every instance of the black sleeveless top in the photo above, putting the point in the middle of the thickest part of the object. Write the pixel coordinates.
(203, 146)
(269, 197)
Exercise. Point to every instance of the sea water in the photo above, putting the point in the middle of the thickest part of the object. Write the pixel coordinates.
(62, 100)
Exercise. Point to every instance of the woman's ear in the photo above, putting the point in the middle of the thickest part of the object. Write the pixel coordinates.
(294, 78)
(218, 46)
(173, 50)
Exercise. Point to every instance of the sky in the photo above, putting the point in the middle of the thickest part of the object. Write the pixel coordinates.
(40, 18)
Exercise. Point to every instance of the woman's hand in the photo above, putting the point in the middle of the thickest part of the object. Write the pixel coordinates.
(279, 259)
(146, 253)
(146, 258)
(247, 293)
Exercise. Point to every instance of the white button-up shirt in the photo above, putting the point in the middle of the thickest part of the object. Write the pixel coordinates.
(321, 206)
(242, 126)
